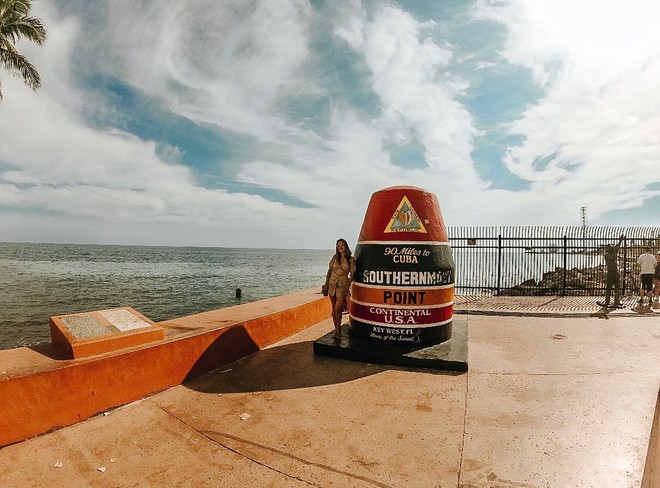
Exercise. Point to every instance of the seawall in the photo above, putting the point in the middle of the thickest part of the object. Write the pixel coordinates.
(41, 391)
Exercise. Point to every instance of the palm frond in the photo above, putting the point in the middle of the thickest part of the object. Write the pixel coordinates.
(17, 7)
(30, 28)
(18, 64)
(16, 23)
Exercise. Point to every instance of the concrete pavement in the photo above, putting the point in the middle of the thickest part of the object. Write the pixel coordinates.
(550, 306)
(547, 402)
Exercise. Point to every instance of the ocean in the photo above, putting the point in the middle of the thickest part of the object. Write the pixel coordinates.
(38, 281)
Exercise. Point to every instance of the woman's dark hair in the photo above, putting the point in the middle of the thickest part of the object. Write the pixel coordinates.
(348, 251)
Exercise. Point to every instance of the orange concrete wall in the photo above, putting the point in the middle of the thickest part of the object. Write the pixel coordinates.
(68, 393)
(652, 468)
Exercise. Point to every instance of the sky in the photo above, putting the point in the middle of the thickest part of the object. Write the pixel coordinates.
(270, 123)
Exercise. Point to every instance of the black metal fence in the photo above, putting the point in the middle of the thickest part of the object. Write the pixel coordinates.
(545, 260)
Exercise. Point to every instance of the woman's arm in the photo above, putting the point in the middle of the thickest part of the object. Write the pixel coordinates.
(327, 276)
(326, 285)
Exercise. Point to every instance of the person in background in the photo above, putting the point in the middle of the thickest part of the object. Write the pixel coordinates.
(341, 272)
(613, 281)
(656, 280)
(647, 264)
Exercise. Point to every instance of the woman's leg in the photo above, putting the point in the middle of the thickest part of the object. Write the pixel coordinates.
(333, 302)
(340, 303)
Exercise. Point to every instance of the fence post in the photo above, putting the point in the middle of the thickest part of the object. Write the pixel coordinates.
(563, 286)
(499, 261)
(625, 265)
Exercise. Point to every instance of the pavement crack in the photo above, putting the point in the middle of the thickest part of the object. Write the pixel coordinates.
(324, 467)
(465, 411)
(211, 436)
(206, 434)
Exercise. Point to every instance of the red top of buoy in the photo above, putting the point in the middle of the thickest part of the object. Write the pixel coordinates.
(403, 213)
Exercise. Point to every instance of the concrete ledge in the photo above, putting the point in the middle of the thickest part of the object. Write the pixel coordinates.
(42, 392)
(652, 468)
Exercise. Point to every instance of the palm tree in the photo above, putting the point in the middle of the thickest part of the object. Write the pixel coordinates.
(16, 23)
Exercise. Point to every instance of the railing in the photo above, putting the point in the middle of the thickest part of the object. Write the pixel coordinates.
(545, 260)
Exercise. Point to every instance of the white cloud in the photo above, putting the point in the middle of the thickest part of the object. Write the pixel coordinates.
(418, 96)
(418, 99)
(335, 177)
(224, 63)
(229, 65)
(599, 63)
(57, 168)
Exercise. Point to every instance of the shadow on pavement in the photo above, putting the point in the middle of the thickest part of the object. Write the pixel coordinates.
(232, 344)
(290, 366)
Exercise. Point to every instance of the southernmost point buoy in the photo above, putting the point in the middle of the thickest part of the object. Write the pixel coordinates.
(402, 296)
(403, 291)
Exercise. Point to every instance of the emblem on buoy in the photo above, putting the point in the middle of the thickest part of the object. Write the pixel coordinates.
(405, 219)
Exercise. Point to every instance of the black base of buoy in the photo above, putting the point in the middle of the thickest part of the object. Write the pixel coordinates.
(451, 355)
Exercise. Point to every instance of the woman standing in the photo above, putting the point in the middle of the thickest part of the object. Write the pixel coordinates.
(338, 282)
